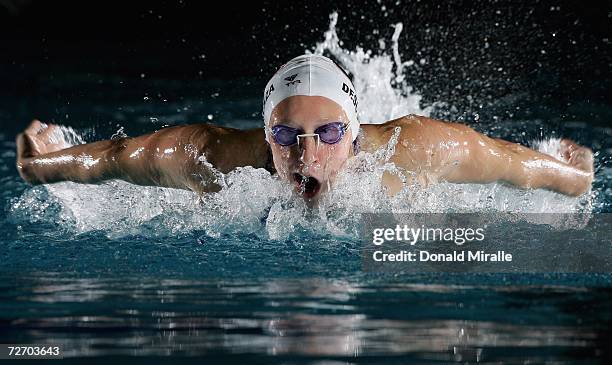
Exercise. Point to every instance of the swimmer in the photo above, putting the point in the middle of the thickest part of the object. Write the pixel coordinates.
(310, 130)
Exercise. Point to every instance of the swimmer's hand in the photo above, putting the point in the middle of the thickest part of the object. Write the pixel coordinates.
(40, 138)
(578, 156)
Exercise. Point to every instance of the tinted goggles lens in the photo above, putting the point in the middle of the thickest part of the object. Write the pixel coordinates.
(329, 133)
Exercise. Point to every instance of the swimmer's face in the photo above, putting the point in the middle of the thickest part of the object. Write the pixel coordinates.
(310, 169)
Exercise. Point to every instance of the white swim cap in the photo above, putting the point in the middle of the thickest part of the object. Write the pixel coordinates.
(311, 75)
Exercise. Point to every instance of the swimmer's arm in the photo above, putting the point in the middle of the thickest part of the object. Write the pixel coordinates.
(485, 160)
(500, 160)
(458, 154)
(165, 158)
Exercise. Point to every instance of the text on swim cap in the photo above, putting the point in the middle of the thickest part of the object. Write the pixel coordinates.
(268, 92)
(351, 94)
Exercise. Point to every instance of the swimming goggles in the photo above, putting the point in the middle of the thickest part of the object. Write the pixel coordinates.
(330, 133)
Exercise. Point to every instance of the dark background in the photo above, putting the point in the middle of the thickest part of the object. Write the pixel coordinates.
(538, 55)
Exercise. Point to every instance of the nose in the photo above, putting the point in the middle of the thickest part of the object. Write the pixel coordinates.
(309, 147)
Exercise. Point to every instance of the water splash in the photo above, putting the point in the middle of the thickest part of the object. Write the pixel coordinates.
(64, 136)
(379, 79)
(550, 146)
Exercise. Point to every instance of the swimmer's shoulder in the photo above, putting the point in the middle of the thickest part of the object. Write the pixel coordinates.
(189, 140)
(198, 134)
(376, 135)
(224, 147)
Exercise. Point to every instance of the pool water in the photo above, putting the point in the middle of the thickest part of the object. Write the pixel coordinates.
(250, 274)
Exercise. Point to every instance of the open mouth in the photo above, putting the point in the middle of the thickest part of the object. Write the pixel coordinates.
(308, 186)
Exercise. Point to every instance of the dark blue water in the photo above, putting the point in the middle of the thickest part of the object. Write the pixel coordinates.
(279, 320)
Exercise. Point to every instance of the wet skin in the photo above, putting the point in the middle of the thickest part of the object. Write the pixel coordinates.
(187, 156)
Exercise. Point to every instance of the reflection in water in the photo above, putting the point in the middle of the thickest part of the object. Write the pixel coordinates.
(299, 318)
